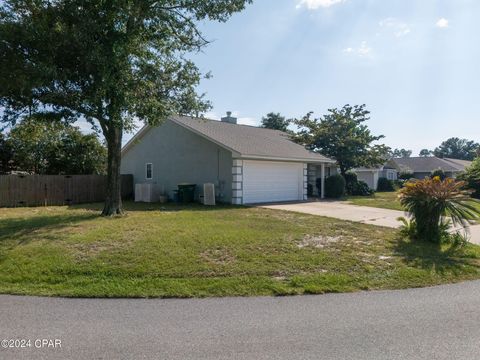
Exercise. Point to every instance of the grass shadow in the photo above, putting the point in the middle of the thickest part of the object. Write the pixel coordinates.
(433, 257)
(20, 228)
(168, 207)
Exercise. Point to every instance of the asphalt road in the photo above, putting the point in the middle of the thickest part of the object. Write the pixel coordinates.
(432, 323)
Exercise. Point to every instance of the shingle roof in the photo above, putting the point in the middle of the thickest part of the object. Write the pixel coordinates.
(250, 141)
(429, 164)
(462, 164)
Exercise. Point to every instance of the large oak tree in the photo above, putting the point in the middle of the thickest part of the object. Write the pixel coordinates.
(106, 61)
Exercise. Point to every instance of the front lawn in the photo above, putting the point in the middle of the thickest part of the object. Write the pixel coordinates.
(384, 200)
(172, 251)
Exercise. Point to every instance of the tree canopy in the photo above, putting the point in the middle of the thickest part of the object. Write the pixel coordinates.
(343, 135)
(5, 155)
(54, 148)
(472, 177)
(108, 62)
(457, 148)
(425, 153)
(401, 153)
(275, 121)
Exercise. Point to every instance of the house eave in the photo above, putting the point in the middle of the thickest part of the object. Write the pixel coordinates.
(291, 159)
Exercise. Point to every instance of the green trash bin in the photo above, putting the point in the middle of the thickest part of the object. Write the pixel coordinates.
(186, 193)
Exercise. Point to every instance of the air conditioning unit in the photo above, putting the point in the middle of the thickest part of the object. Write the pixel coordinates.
(208, 194)
(138, 192)
(146, 193)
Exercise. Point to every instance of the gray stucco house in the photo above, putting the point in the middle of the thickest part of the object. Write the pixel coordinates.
(246, 164)
(421, 167)
(371, 175)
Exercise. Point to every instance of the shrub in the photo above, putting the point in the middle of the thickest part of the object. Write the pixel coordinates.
(472, 177)
(438, 173)
(351, 181)
(359, 188)
(405, 176)
(334, 186)
(309, 190)
(385, 185)
(431, 200)
(318, 185)
(355, 187)
(350, 178)
(398, 184)
(408, 228)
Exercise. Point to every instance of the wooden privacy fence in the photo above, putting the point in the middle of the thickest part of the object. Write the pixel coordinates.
(44, 190)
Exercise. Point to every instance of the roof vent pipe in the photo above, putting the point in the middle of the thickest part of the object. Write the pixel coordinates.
(229, 118)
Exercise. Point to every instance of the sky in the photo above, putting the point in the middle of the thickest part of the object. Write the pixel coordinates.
(414, 63)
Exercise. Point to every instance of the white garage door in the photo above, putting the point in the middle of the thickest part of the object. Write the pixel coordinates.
(269, 181)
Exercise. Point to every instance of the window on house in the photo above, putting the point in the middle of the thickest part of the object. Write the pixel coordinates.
(390, 175)
(148, 171)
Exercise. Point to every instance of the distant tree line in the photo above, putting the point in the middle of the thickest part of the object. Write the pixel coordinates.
(346, 126)
(51, 148)
(456, 148)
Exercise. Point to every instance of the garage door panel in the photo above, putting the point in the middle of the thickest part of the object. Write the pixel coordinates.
(268, 181)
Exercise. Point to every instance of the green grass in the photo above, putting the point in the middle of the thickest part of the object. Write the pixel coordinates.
(384, 200)
(196, 251)
(387, 200)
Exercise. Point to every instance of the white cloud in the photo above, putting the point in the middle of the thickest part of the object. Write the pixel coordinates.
(398, 28)
(315, 4)
(362, 51)
(245, 120)
(212, 116)
(248, 121)
(442, 23)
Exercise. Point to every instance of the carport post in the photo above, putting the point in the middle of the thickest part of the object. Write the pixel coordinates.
(322, 175)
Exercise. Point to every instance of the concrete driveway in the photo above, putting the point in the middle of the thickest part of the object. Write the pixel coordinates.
(363, 214)
(344, 211)
(432, 323)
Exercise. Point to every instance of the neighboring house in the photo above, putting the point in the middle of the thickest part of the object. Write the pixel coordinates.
(371, 175)
(247, 164)
(422, 167)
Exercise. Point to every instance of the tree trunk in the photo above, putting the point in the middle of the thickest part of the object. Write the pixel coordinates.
(113, 199)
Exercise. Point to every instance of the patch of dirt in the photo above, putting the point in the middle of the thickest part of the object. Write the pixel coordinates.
(283, 215)
(83, 251)
(218, 256)
(319, 241)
